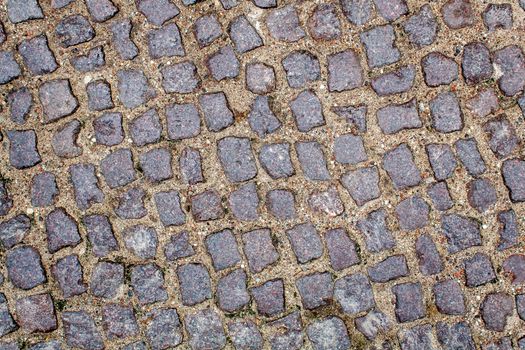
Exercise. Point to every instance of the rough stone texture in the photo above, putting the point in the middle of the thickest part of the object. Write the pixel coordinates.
(400, 166)
(422, 27)
(354, 293)
(24, 267)
(446, 113)
(194, 282)
(397, 117)
(376, 232)
(306, 174)
(449, 297)
(380, 46)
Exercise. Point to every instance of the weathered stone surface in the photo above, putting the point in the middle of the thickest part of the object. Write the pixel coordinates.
(223, 64)
(10, 69)
(146, 128)
(164, 329)
(478, 270)
(307, 111)
(362, 184)
(461, 232)
(377, 234)
(495, 309)
(476, 63)
(400, 167)
(141, 240)
(261, 118)
(454, 336)
(20, 11)
(93, 60)
(23, 151)
(511, 61)
(372, 324)
(259, 249)
(107, 279)
(165, 42)
(181, 78)
(442, 160)
(260, 78)
(156, 165)
(80, 331)
(305, 241)
(121, 34)
(458, 14)
(100, 234)
(326, 202)
(57, 99)
(502, 136)
(236, 157)
(301, 68)
(44, 189)
(349, 149)
(147, 282)
(380, 46)
(440, 196)
(205, 330)
(283, 24)
(245, 335)
(36, 313)
(412, 213)
(391, 9)
(354, 293)
(207, 206)
(216, 111)
(468, 153)
(69, 276)
(178, 246)
(119, 321)
(417, 337)
(281, 204)
(269, 297)
(394, 118)
(38, 58)
(389, 269)
(232, 294)
(328, 333)
(14, 230)
(316, 289)
(206, 30)
(244, 36)
(430, 262)
(85, 184)
(223, 250)
(64, 141)
(481, 194)
(157, 12)
(439, 69)
(131, 204)
(344, 71)
(422, 27)
(286, 332)
(24, 267)
(341, 249)
(497, 16)
(134, 88)
(169, 208)
(514, 267)
(323, 23)
(74, 30)
(117, 168)
(101, 10)
(395, 82)
(357, 12)
(244, 202)
(409, 302)
(7, 324)
(446, 113)
(312, 160)
(508, 229)
(108, 129)
(61, 230)
(513, 172)
(449, 297)
(20, 104)
(194, 283)
(99, 95)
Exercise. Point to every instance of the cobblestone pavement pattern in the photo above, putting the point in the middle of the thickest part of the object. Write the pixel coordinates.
(262, 174)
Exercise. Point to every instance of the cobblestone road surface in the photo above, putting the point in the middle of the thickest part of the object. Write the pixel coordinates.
(262, 174)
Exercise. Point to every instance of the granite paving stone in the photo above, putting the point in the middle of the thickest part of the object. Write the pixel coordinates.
(262, 174)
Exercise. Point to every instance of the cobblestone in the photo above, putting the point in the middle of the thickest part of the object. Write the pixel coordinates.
(261, 174)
